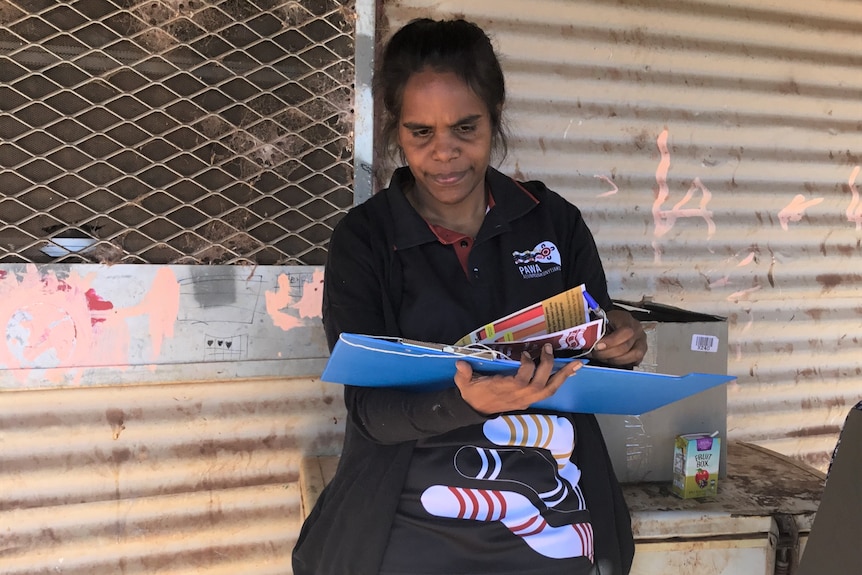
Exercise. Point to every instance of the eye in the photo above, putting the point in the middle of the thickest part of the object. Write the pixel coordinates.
(420, 132)
(465, 129)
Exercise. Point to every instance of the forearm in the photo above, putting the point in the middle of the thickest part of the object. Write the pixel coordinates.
(388, 416)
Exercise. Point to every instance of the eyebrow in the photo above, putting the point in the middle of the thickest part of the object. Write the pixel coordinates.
(461, 122)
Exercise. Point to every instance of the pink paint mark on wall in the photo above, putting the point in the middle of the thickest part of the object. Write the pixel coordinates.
(45, 321)
(614, 189)
(162, 306)
(747, 260)
(742, 294)
(64, 326)
(720, 282)
(665, 219)
(280, 303)
(794, 211)
(854, 210)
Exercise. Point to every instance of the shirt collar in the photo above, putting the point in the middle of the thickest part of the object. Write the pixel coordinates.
(511, 201)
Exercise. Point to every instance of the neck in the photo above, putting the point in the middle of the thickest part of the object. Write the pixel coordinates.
(464, 217)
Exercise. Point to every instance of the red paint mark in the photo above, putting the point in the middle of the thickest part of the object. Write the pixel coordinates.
(96, 303)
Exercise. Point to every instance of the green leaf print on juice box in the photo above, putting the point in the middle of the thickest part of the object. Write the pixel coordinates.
(695, 465)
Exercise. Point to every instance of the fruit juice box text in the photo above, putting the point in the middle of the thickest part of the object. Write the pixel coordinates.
(695, 465)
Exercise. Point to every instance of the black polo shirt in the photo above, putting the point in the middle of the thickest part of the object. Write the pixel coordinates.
(525, 251)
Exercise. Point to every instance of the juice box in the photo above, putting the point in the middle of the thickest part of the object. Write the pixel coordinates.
(695, 465)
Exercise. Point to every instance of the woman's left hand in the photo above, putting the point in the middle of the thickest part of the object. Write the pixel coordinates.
(625, 343)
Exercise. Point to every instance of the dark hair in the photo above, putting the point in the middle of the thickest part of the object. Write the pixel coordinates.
(454, 46)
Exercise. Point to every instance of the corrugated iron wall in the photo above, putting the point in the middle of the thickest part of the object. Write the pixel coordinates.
(191, 478)
(715, 148)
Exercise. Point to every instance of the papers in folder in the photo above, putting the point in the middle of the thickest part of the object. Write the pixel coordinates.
(364, 360)
(571, 320)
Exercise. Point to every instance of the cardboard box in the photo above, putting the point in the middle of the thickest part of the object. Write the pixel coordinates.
(680, 342)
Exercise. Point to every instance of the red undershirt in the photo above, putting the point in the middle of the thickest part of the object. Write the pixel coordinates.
(462, 243)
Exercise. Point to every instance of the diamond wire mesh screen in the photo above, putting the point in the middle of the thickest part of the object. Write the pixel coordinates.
(174, 131)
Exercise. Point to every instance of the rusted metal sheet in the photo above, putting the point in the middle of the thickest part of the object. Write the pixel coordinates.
(181, 478)
(715, 149)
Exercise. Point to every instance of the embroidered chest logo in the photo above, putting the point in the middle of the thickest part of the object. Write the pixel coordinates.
(538, 262)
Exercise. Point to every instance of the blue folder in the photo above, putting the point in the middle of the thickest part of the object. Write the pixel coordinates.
(372, 361)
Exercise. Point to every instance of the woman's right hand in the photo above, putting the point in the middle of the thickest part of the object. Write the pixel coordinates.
(494, 394)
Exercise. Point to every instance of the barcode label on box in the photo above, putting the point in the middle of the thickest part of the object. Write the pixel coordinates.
(704, 343)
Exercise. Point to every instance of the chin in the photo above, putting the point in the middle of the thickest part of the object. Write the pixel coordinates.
(450, 195)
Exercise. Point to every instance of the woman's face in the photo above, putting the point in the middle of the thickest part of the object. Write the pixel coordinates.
(445, 133)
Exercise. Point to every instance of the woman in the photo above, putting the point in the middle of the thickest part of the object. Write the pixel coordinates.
(468, 480)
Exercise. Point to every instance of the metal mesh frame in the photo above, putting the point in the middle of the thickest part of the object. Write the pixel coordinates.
(174, 131)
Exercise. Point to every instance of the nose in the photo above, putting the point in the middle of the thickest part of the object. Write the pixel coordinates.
(446, 147)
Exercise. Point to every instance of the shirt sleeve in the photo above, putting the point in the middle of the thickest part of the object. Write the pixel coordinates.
(356, 300)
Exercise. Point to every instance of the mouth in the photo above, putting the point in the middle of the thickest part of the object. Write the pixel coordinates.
(448, 179)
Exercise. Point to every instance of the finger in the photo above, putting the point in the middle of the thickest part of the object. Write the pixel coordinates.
(557, 380)
(568, 370)
(623, 355)
(546, 365)
(526, 369)
(615, 338)
(463, 373)
(615, 351)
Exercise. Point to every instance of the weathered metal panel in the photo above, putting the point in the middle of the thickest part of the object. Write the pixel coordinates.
(715, 149)
(71, 325)
(160, 478)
